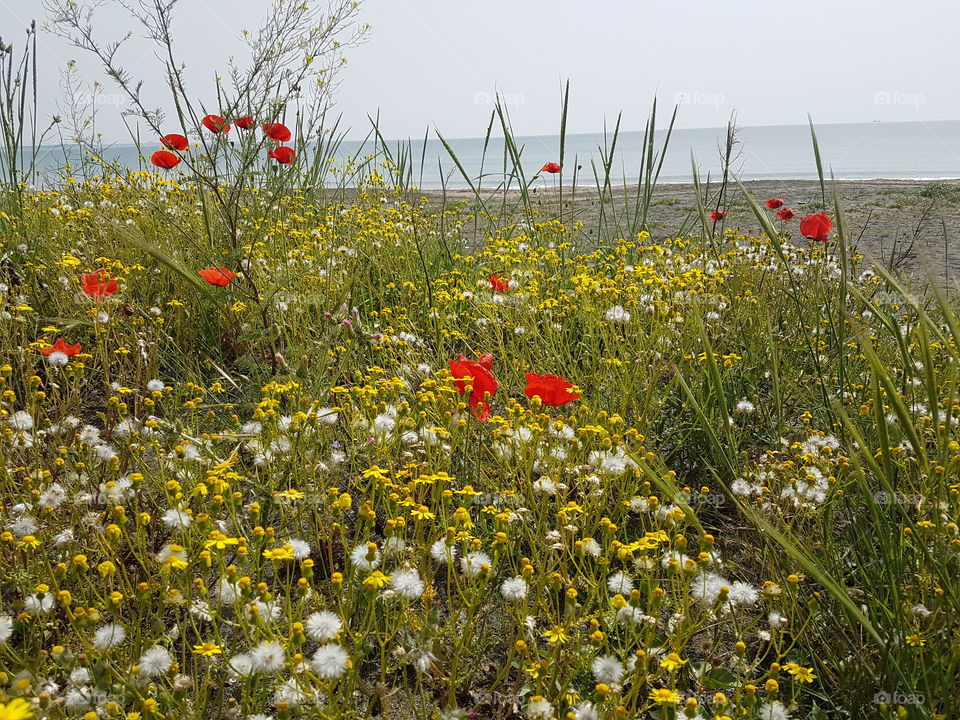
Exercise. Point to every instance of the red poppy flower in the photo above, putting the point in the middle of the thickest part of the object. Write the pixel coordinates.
(816, 227)
(499, 283)
(216, 124)
(786, 214)
(174, 141)
(164, 159)
(278, 132)
(244, 123)
(551, 167)
(774, 203)
(98, 284)
(718, 215)
(61, 346)
(219, 276)
(477, 374)
(551, 389)
(283, 155)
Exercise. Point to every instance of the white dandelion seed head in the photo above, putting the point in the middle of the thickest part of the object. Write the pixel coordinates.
(360, 560)
(472, 563)
(155, 662)
(407, 583)
(514, 589)
(330, 661)
(323, 626)
(607, 669)
(109, 636)
(267, 657)
(21, 420)
(620, 583)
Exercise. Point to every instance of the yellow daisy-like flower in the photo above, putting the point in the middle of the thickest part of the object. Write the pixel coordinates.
(376, 580)
(16, 709)
(376, 472)
(284, 552)
(556, 634)
(219, 541)
(800, 673)
(422, 513)
(207, 649)
(916, 641)
(28, 542)
(665, 696)
(672, 662)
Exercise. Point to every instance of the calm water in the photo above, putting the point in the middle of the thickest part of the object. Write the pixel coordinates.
(909, 150)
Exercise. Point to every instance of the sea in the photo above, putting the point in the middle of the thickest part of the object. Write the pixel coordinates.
(852, 151)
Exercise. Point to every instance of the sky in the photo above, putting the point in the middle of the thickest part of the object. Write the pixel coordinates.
(438, 64)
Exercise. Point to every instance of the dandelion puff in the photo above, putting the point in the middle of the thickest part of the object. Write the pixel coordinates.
(407, 583)
(38, 605)
(776, 620)
(6, 628)
(591, 547)
(301, 548)
(617, 314)
(155, 662)
(742, 593)
(472, 564)
(607, 669)
(23, 526)
(268, 657)
(241, 665)
(424, 660)
(330, 661)
(327, 416)
(104, 452)
(78, 699)
(109, 636)
(394, 545)
(773, 711)
(629, 615)
(176, 518)
(585, 711)
(155, 386)
(539, 708)
(706, 586)
(323, 626)
(58, 358)
(54, 496)
(289, 693)
(361, 561)
(21, 420)
(441, 552)
(620, 582)
(514, 589)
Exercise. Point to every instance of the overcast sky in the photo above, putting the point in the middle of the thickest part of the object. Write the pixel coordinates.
(438, 63)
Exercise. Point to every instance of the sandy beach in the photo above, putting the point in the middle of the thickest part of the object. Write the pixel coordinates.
(910, 224)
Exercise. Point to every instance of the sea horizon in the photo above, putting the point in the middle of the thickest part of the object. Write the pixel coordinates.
(903, 150)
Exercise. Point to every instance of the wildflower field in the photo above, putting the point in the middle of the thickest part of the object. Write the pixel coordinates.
(293, 439)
